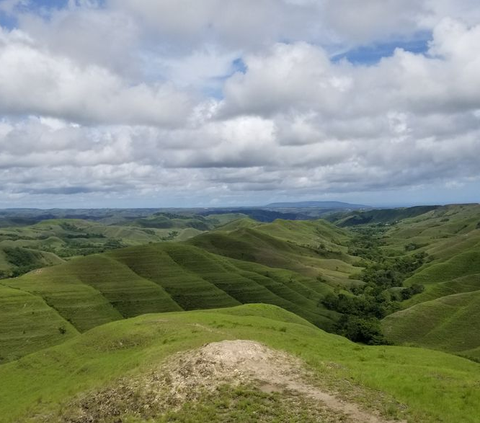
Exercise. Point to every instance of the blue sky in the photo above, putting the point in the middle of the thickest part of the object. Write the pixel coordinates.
(127, 103)
(373, 53)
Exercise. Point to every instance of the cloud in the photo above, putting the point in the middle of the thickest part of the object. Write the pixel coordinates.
(34, 81)
(134, 100)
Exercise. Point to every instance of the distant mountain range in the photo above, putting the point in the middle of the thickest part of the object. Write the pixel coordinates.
(317, 204)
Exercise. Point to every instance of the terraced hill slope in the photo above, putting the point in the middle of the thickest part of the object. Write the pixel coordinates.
(16, 260)
(289, 370)
(315, 249)
(447, 314)
(156, 278)
(27, 247)
(28, 324)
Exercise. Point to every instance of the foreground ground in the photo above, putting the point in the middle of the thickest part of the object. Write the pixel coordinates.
(286, 370)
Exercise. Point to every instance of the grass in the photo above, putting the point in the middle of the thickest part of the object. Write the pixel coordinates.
(28, 324)
(291, 265)
(51, 239)
(449, 308)
(156, 278)
(448, 323)
(293, 253)
(415, 384)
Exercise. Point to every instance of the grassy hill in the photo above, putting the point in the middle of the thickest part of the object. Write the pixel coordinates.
(125, 371)
(448, 323)
(50, 241)
(155, 278)
(314, 249)
(28, 324)
(449, 307)
(201, 223)
(379, 216)
(18, 260)
(112, 321)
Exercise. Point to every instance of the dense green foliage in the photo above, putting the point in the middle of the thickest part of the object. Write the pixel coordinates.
(365, 305)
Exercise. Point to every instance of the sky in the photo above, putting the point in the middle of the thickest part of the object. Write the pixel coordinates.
(222, 103)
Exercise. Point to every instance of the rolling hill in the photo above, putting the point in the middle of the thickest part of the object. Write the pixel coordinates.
(178, 367)
(248, 266)
(379, 216)
(51, 241)
(313, 248)
(448, 308)
(115, 321)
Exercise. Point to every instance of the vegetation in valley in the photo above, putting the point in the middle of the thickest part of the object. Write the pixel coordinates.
(370, 283)
(363, 306)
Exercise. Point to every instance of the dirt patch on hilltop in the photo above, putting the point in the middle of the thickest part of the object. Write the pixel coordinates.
(195, 376)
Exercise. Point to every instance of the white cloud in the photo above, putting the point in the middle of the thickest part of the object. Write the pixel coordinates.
(34, 81)
(137, 99)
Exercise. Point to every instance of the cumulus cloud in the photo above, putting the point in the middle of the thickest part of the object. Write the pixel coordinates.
(235, 101)
(34, 81)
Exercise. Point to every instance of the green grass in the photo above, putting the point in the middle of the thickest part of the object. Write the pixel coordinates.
(447, 323)
(295, 253)
(157, 278)
(427, 386)
(464, 264)
(49, 240)
(32, 258)
(382, 216)
(28, 324)
(446, 314)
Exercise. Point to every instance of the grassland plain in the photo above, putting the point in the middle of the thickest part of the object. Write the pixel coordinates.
(155, 278)
(411, 384)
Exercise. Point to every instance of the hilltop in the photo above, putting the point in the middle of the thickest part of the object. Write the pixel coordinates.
(284, 369)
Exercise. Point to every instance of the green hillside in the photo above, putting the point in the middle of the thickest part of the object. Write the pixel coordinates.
(165, 220)
(51, 241)
(28, 324)
(448, 308)
(110, 319)
(313, 249)
(116, 370)
(449, 323)
(156, 278)
(16, 260)
(379, 216)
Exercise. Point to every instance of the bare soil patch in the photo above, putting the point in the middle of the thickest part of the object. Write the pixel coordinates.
(194, 376)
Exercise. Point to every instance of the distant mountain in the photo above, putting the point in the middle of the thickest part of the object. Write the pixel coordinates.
(318, 204)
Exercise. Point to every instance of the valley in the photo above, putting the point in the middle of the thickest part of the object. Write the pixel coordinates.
(403, 285)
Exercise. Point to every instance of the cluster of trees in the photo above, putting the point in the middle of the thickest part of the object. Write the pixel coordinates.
(84, 236)
(76, 248)
(170, 237)
(362, 307)
(367, 243)
(21, 260)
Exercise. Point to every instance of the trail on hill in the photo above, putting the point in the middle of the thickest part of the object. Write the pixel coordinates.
(196, 375)
(242, 362)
